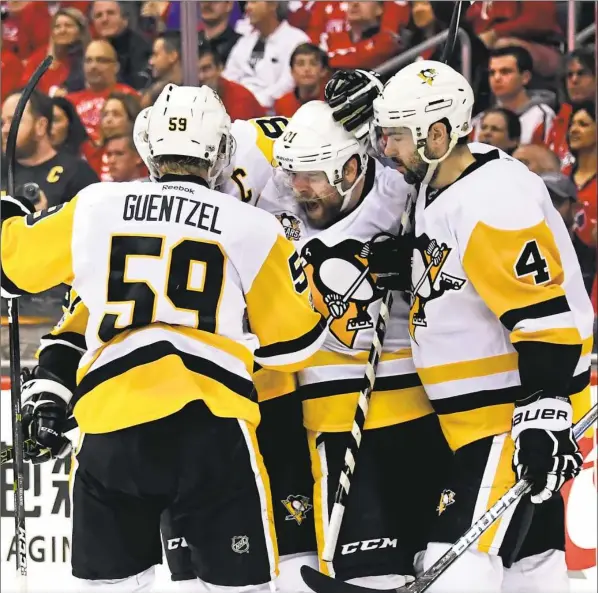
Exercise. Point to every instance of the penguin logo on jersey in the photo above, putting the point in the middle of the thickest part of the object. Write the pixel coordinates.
(298, 506)
(428, 75)
(291, 227)
(447, 498)
(341, 285)
(429, 281)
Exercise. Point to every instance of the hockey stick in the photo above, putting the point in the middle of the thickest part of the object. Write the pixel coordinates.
(321, 583)
(7, 455)
(14, 347)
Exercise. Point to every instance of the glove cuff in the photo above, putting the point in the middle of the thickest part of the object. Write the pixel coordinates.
(37, 386)
(548, 413)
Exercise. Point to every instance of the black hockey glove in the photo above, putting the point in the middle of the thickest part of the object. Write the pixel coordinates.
(546, 452)
(15, 206)
(390, 259)
(45, 402)
(351, 93)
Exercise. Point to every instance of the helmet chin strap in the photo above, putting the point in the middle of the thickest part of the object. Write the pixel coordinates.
(348, 193)
(433, 163)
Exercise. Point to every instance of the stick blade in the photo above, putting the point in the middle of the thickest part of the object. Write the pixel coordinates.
(321, 583)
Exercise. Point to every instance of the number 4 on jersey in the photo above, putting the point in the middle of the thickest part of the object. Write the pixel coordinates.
(530, 261)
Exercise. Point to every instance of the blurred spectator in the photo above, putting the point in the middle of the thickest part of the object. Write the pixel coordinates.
(260, 60)
(68, 39)
(427, 19)
(68, 132)
(117, 117)
(82, 6)
(500, 127)
(26, 27)
(100, 68)
(532, 25)
(11, 70)
(166, 65)
(238, 101)
(216, 28)
(133, 51)
(538, 158)
(152, 17)
(363, 44)
(59, 175)
(563, 194)
(309, 67)
(124, 162)
(510, 70)
(582, 141)
(580, 84)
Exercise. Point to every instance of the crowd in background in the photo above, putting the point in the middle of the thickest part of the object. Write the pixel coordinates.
(111, 59)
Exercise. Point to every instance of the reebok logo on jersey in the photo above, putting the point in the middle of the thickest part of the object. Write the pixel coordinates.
(298, 506)
(368, 544)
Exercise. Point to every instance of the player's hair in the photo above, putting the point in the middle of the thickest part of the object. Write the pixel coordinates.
(309, 49)
(171, 40)
(207, 49)
(525, 62)
(181, 165)
(511, 119)
(40, 105)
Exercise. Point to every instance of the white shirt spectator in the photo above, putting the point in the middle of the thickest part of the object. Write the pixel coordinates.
(268, 77)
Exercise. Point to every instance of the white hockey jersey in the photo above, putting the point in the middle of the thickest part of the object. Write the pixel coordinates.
(334, 260)
(494, 271)
(173, 275)
(252, 161)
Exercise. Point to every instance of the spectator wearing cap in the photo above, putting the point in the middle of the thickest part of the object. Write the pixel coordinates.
(215, 17)
(363, 43)
(165, 63)
(532, 25)
(538, 158)
(582, 141)
(500, 127)
(26, 27)
(238, 101)
(510, 70)
(100, 69)
(68, 132)
(111, 23)
(68, 39)
(580, 84)
(309, 67)
(260, 59)
(59, 174)
(124, 162)
(563, 194)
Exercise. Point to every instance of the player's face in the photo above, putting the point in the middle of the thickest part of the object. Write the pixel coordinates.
(398, 145)
(581, 83)
(60, 127)
(320, 201)
(582, 131)
(65, 30)
(26, 136)
(114, 118)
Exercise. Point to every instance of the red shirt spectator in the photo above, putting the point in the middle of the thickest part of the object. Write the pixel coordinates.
(26, 27)
(239, 101)
(11, 74)
(69, 35)
(556, 139)
(363, 44)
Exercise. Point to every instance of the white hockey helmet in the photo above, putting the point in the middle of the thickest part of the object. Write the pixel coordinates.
(192, 122)
(313, 141)
(140, 138)
(418, 96)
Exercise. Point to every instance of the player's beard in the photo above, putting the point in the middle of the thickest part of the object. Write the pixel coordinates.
(321, 210)
(417, 169)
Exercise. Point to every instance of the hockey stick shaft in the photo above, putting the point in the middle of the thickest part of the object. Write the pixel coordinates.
(479, 527)
(14, 347)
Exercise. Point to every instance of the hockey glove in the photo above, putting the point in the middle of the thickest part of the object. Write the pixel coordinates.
(351, 93)
(15, 206)
(546, 452)
(390, 260)
(45, 402)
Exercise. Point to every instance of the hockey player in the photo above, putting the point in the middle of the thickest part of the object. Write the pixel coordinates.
(501, 330)
(164, 394)
(332, 199)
